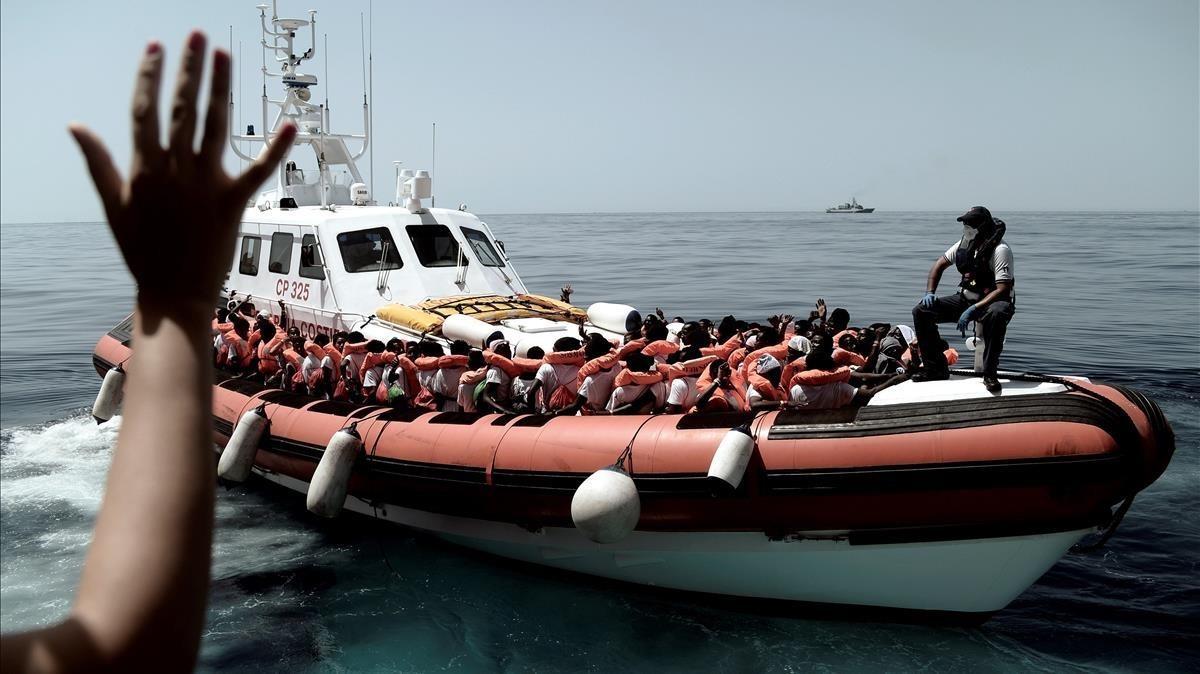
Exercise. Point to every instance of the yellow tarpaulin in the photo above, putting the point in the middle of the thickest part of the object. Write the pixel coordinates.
(427, 316)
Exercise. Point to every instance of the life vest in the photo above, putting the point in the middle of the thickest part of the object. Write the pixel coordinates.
(630, 347)
(513, 367)
(843, 357)
(951, 356)
(738, 357)
(690, 368)
(598, 364)
(723, 351)
(627, 377)
(790, 370)
(750, 364)
(973, 259)
(736, 391)
(575, 357)
(237, 350)
(562, 396)
(660, 349)
(820, 377)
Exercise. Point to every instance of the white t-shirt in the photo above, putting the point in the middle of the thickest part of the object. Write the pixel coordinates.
(554, 375)
(356, 361)
(372, 377)
(825, 396)
(445, 383)
(496, 376)
(425, 378)
(309, 364)
(1002, 260)
(597, 388)
(520, 387)
(684, 392)
(466, 397)
(623, 395)
(752, 395)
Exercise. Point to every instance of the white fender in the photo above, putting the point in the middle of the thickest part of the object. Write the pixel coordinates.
(606, 506)
(110, 395)
(238, 456)
(728, 465)
(471, 330)
(327, 490)
(619, 318)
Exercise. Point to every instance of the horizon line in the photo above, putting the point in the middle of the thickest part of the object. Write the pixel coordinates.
(820, 212)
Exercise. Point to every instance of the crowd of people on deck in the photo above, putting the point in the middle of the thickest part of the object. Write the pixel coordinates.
(666, 366)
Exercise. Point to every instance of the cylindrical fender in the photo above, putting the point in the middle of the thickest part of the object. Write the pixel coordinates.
(606, 507)
(619, 318)
(330, 481)
(108, 400)
(728, 465)
(237, 459)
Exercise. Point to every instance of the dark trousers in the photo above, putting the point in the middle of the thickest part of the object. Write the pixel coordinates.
(994, 322)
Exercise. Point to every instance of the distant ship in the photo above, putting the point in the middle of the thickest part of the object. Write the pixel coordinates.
(852, 207)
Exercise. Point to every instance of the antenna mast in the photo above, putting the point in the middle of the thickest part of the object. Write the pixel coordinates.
(433, 166)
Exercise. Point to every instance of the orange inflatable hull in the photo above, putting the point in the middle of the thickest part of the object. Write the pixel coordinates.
(940, 470)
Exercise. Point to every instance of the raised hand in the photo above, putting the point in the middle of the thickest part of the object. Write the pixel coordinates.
(565, 293)
(175, 219)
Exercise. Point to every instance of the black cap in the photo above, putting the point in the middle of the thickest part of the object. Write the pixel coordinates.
(976, 214)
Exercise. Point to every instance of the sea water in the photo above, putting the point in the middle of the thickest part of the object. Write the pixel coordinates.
(1113, 296)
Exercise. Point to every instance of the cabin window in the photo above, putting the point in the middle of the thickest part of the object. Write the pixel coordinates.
(487, 255)
(311, 264)
(280, 261)
(435, 245)
(368, 250)
(251, 249)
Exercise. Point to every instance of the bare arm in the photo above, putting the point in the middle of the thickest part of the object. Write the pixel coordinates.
(1002, 292)
(935, 273)
(144, 584)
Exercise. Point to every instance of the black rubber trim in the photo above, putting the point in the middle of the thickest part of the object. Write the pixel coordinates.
(706, 420)
(680, 483)
(533, 420)
(102, 366)
(223, 427)
(427, 471)
(456, 418)
(844, 415)
(285, 399)
(364, 411)
(970, 413)
(384, 465)
(123, 331)
(503, 419)
(1058, 470)
(404, 416)
(246, 387)
(337, 408)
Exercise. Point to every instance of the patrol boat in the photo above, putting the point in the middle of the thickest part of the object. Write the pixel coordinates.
(851, 207)
(936, 497)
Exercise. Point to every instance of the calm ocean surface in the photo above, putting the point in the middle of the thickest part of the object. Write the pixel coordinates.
(1113, 296)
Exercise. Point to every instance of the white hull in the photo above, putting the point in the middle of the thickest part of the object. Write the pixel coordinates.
(963, 576)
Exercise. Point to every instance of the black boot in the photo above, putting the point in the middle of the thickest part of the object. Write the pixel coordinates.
(991, 383)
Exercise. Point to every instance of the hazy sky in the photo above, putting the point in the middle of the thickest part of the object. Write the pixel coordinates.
(674, 106)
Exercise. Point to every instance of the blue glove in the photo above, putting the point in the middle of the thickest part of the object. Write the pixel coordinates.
(965, 319)
(927, 301)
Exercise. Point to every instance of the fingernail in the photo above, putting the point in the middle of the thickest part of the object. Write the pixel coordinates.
(196, 40)
(153, 48)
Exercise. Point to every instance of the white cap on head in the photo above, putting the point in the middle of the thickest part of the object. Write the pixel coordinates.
(495, 343)
(767, 362)
(800, 343)
(909, 335)
(264, 315)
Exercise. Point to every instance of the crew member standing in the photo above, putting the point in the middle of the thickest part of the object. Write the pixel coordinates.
(985, 294)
